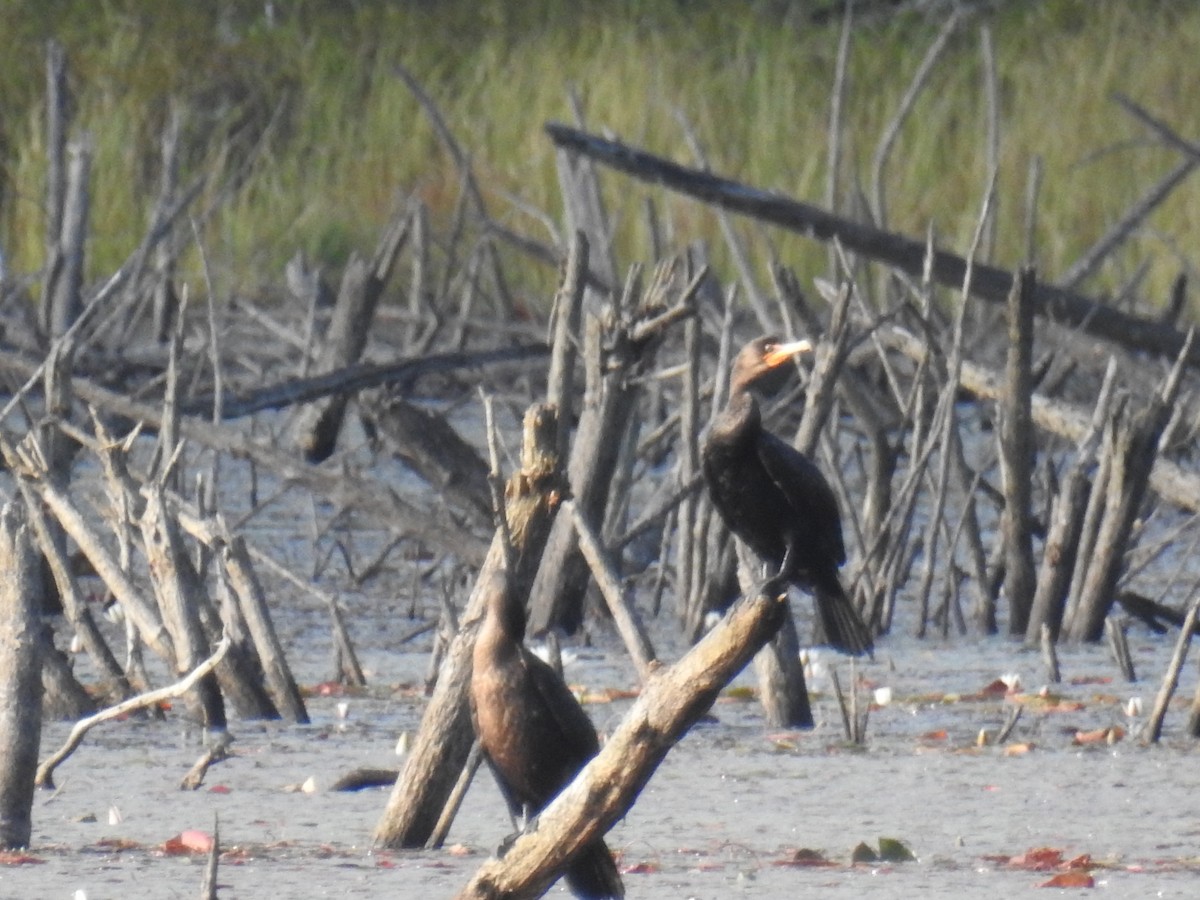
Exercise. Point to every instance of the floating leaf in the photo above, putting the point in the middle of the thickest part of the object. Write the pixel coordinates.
(118, 844)
(1099, 736)
(1070, 880)
(642, 868)
(740, 693)
(16, 858)
(894, 850)
(1018, 749)
(190, 841)
(939, 735)
(863, 854)
(1040, 859)
(807, 858)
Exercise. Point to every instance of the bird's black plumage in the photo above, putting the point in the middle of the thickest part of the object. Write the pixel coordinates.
(775, 499)
(534, 733)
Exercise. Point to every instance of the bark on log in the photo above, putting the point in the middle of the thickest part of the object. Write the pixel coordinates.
(673, 700)
(431, 447)
(253, 602)
(400, 375)
(316, 426)
(619, 342)
(1017, 452)
(20, 678)
(988, 282)
(444, 740)
(180, 606)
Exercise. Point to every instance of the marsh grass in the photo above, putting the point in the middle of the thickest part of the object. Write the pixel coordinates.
(314, 138)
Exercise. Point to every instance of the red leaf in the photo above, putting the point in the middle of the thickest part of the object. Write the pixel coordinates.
(642, 868)
(220, 789)
(190, 841)
(1070, 880)
(1039, 860)
(16, 858)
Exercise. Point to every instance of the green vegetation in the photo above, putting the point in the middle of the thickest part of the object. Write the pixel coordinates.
(315, 138)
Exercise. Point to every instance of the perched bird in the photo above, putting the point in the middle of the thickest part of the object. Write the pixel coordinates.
(534, 733)
(775, 499)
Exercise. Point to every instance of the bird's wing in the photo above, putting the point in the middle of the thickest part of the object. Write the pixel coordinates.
(578, 735)
(806, 490)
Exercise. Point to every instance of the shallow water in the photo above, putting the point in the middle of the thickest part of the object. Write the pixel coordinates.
(723, 816)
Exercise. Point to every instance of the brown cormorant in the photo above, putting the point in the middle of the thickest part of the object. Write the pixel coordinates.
(534, 733)
(775, 499)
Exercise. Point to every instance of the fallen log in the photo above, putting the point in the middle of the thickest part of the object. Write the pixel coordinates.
(672, 701)
(989, 283)
(1168, 479)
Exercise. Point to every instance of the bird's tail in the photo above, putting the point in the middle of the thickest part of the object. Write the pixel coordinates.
(843, 626)
(593, 874)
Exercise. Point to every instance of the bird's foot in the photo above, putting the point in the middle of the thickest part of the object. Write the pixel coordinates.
(775, 586)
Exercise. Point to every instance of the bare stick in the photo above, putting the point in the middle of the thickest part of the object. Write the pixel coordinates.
(1152, 730)
(637, 641)
(45, 774)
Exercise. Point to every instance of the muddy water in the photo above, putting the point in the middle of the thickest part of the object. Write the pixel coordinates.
(723, 816)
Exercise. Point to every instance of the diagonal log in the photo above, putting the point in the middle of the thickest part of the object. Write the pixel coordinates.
(1168, 479)
(672, 701)
(989, 283)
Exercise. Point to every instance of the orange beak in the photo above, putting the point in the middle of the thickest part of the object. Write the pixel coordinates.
(783, 352)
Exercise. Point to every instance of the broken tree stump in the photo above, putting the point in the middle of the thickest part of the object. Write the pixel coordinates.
(20, 677)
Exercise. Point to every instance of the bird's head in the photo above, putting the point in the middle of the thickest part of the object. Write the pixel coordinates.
(761, 357)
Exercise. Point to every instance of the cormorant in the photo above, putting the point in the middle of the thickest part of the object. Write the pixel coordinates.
(775, 499)
(534, 733)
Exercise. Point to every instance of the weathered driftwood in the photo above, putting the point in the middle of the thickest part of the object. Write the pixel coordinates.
(177, 586)
(349, 669)
(445, 737)
(316, 426)
(566, 313)
(989, 283)
(20, 677)
(368, 497)
(619, 342)
(672, 701)
(253, 603)
(45, 772)
(1167, 478)
(1152, 729)
(782, 689)
(400, 375)
(431, 447)
(1017, 454)
(1134, 450)
(53, 547)
(624, 614)
(1066, 525)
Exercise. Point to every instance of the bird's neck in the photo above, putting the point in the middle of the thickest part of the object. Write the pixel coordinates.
(505, 617)
(740, 420)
